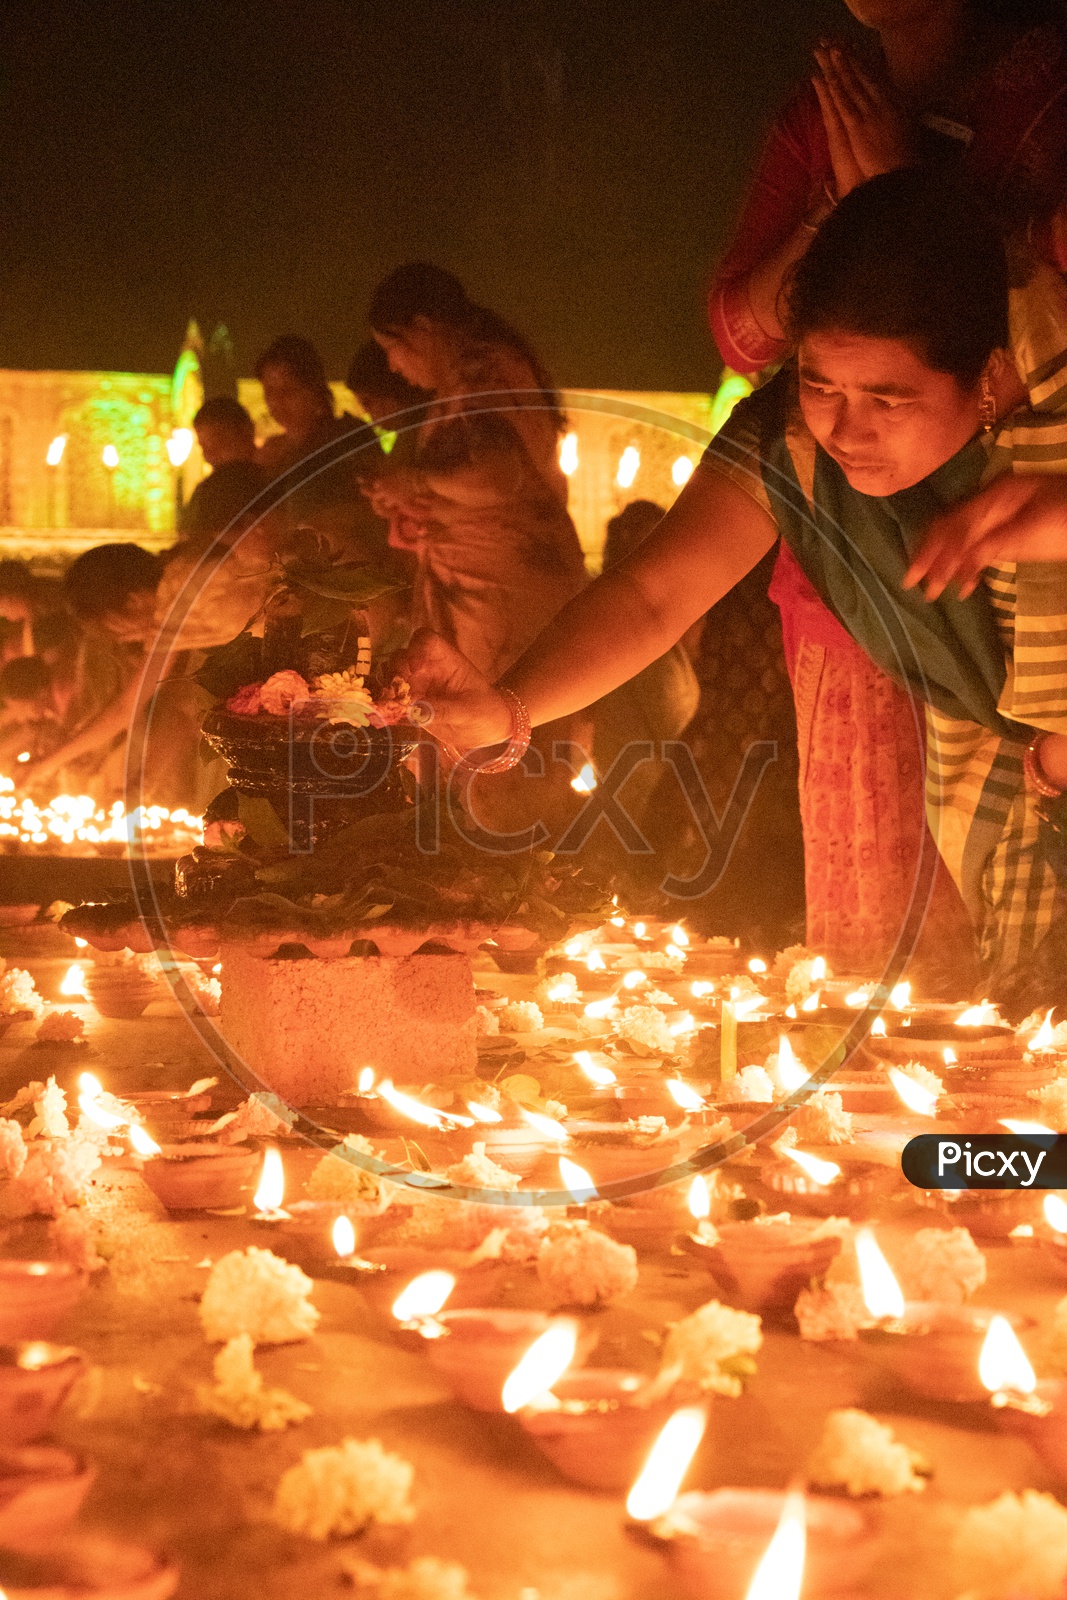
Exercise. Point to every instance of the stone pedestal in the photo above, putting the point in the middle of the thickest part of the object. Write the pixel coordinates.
(308, 1027)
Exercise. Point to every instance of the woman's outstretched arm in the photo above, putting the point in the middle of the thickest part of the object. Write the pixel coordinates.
(712, 536)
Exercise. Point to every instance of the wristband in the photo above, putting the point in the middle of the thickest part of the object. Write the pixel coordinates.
(518, 741)
(1035, 778)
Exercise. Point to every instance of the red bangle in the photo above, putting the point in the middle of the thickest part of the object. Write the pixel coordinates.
(518, 742)
(1032, 773)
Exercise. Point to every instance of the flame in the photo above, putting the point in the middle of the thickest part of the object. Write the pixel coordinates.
(1055, 1213)
(90, 1102)
(949, 1056)
(568, 454)
(271, 1191)
(682, 1024)
(818, 969)
(365, 1082)
(882, 1294)
(780, 1574)
(684, 1095)
(812, 1002)
(633, 979)
(31, 1359)
(857, 999)
(547, 1127)
(977, 1016)
(595, 961)
(54, 453)
(757, 965)
(142, 1142)
(578, 1181)
(1002, 1363)
(69, 819)
(423, 1296)
(74, 982)
(878, 1028)
(699, 1198)
(922, 1101)
(818, 1170)
(656, 1487)
(1013, 1125)
(620, 921)
(573, 948)
(601, 1076)
(1042, 1039)
(679, 935)
(110, 457)
(701, 989)
(565, 989)
(482, 1113)
(586, 781)
(791, 1074)
(543, 1364)
(179, 446)
(747, 1005)
(599, 1009)
(639, 930)
(900, 996)
(682, 471)
(344, 1237)
(428, 1116)
(629, 466)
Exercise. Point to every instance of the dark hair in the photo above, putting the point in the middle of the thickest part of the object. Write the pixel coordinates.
(911, 256)
(222, 496)
(420, 289)
(223, 411)
(16, 578)
(24, 678)
(303, 360)
(627, 528)
(371, 376)
(102, 579)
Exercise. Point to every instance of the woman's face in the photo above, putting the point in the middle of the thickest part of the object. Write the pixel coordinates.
(884, 416)
(294, 406)
(417, 353)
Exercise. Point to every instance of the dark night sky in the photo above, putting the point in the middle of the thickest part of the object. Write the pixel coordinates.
(575, 161)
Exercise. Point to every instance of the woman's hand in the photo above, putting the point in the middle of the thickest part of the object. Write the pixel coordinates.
(468, 713)
(868, 133)
(1014, 519)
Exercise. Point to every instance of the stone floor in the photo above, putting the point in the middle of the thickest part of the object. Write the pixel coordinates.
(485, 1497)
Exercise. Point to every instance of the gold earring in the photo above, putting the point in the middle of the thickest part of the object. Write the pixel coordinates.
(987, 409)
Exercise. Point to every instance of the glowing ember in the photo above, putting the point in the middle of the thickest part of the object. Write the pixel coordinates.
(543, 1364)
(701, 989)
(639, 930)
(599, 1009)
(922, 1101)
(600, 1075)
(790, 1073)
(74, 982)
(818, 1170)
(547, 1127)
(428, 1116)
(699, 1198)
(585, 782)
(142, 1142)
(1003, 1366)
(949, 1056)
(271, 1191)
(70, 819)
(482, 1113)
(1042, 1039)
(633, 979)
(857, 999)
(979, 1016)
(676, 952)
(757, 965)
(577, 1180)
(882, 1294)
(595, 961)
(900, 996)
(682, 1024)
(812, 1002)
(366, 1080)
(878, 1028)
(818, 969)
(344, 1237)
(679, 935)
(684, 1095)
(656, 1488)
(1013, 1125)
(1055, 1213)
(423, 1296)
(780, 1574)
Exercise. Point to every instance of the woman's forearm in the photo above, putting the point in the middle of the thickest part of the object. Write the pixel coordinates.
(113, 720)
(765, 280)
(713, 535)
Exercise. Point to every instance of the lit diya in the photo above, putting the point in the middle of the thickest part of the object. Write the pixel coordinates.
(41, 1489)
(1021, 1404)
(763, 1265)
(35, 1379)
(479, 1348)
(196, 1176)
(78, 1565)
(35, 1296)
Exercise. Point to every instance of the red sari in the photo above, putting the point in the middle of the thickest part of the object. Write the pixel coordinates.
(862, 798)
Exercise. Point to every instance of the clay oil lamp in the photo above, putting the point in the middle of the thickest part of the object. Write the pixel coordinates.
(121, 992)
(35, 1379)
(930, 1347)
(980, 1042)
(521, 1139)
(655, 1489)
(1054, 1240)
(78, 1565)
(170, 1112)
(811, 1185)
(481, 1346)
(764, 1264)
(413, 1309)
(196, 1176)
(1035, 1410)
(41, 1489)
(759, 1544)
(652, 1221)
(35, 1296)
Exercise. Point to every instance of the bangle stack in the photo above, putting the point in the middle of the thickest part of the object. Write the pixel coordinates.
(1032, 773)
(518, 742)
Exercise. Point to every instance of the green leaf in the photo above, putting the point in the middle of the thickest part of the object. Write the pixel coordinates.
(230, 666)
(375, 911)
(262, 822)
(356, 584)
(320, 615)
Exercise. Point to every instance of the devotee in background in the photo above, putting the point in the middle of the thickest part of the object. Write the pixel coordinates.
(387, 397)
(25, 599)
(227, 438)
(905, 397)
(30, 713)
(977, 85)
